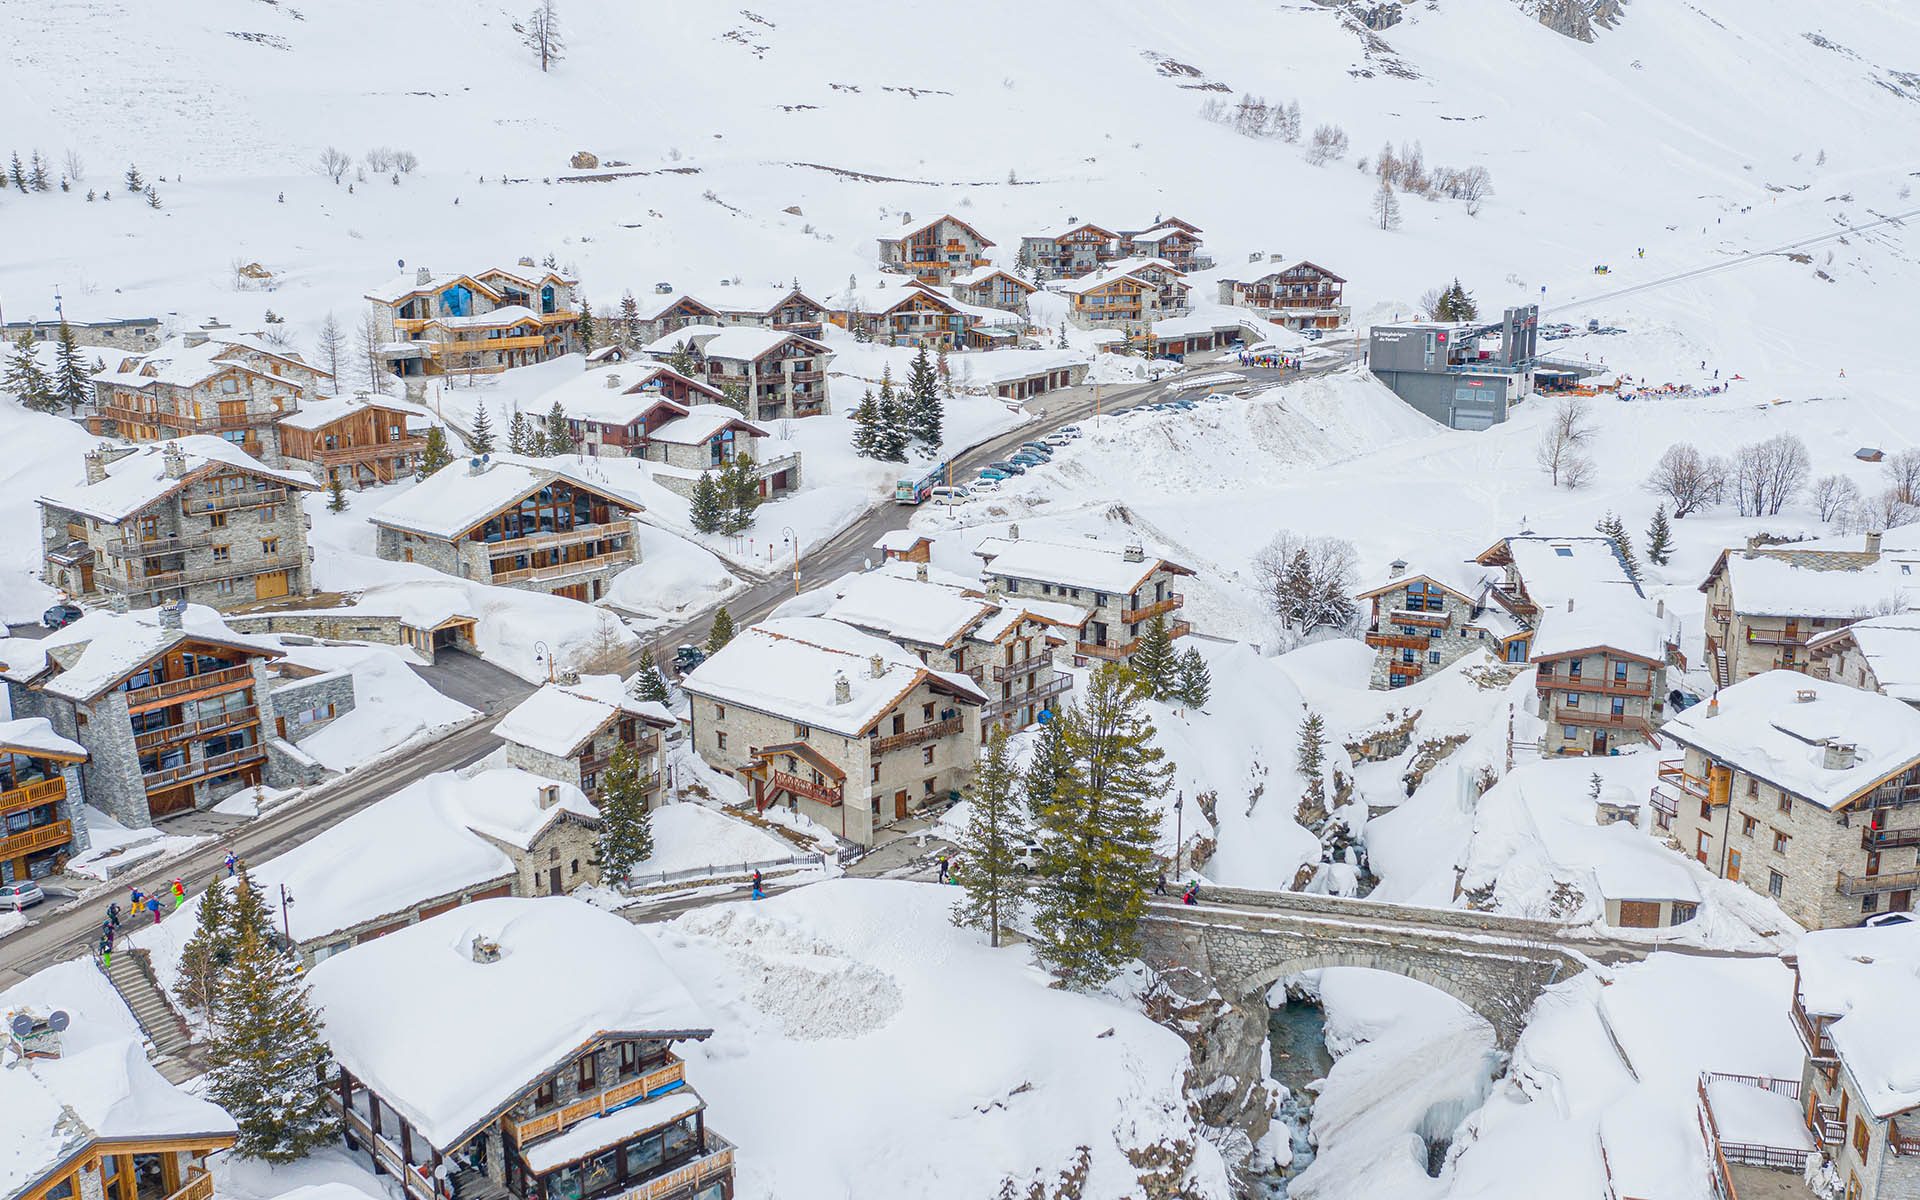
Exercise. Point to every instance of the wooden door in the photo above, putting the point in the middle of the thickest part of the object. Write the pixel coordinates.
(1639, 914)
(553, 881)
(1900, 901)
(169, 801)
(900, 805)
(270, 585)
(1733, 865)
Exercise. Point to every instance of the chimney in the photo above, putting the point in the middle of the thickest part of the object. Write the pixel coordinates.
(568, 678)
(1134, 554)
(485, 949)
(1013, 533)
(1397, 568)
(1837, 756)
(193, 337)
(549, 795)
(118, 602)
(876, 666)
(1805, 695)
(422, 277)
(96, 460)
(1713, 706)
(613, 379)
(920, 572)
(170, 614)
(1873, 543)
(172, 461)
(842, 690)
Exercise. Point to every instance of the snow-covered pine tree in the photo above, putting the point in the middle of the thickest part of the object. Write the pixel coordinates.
(922, 412)
(1312, 756)
(37, 177)
(588, 334)
(1154, 665)
(626, 828)
(1610, 525)
(71, 383)
(482, 439)
(628, 326)
(17, 172)
(650, 682)
(704, 509)
(1196, 681)
(556, 438)
(891, 434)
(134, 181)
(681, 358)
(1097, 858)
(208, 951)
(336, 495)
(997, 825)
(520, 435)
(268, 1054)
(1659, 537)
(435, 454)
(722, 631)
(27, 380)
(866, 427)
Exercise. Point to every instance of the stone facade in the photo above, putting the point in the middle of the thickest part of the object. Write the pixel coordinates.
(1860, 1144)
(1599, 701)
(130, 333)
(1421, 627)
(1116, 619)
(585, 768)
(355, 625)
(202, 383)
(469, 558)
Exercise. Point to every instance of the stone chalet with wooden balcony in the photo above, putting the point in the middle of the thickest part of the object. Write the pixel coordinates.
(1119, 588)
(1422, 623)
(1855, 994)
(1069, 252)
(357, 441)
(231, 386)
(519, 1049)
(992, 287)
(1767, 602)
(918, 315)
(448, 839)
(174, 709)
(613, 406)
(1878, 654)
(570, 731)
(1803, 790)
(41, 799)
(512, 521)
(785, 310)
(780, 374)
(936, 251)
(849, 729)
(1302, 296)
(87, 1116)
(486, 322)
(1171, 239)
(194, 519)
(953, 625)
(1127, 292)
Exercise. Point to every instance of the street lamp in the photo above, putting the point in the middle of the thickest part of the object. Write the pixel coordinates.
(788, 533)
(286, 926)
(542, 654)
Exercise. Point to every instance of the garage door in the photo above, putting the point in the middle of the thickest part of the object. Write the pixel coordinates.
(1639, 914)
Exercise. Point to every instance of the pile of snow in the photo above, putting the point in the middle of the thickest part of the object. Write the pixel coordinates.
(690, 837)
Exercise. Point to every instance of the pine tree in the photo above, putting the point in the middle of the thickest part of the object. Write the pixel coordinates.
(722, 631)
(997, 825)
(27, 380)
(650, 682)
(336, 495)
(16, 173)
(945, 372)
(1611, 526)
(153, 197)
(208, 951)
(734, 394)
(739, 487)
(247, 908)
(519, 436)
(70, 377)
(268, 1055)
(482, 439)
(588, 334)
(921, 412)
(1659, 538)
(1455, 304)
(1048, 768)
(134, 182)
(626, 828)
(1097, 858)
(1154, 665)
(705, 509)
(890, 431)
(37, 174)
(683, 360)
(1196, 681)
(435, 455)
(866, 427)
(557, 437)
(1313, 746)
(627, 328)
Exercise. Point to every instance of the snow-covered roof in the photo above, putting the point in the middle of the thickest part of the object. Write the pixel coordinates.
(1087, 564)
(1763, 727)
(409, 284)
(980, 275)
(435, 837)
(1156, 235)
(1094, 280)
(1586, 597)
(1063, 231)
(1891, 647)
(900, 541)
(611, 1129)
(319, 413)
(1869, 981)
(175, 363)
(454, 499)
(617, 395)
(559, 718)
(901, 235)
(1819, 584)
(702, 423)
(36, 736)
(111, 646)
(730, 342)
(1465, 579)
(1583, 566)
(100, 1088)
(139, 479)
(924, 614)
(506, 314)
(789, 666)
(754, 301)
(450, 1042)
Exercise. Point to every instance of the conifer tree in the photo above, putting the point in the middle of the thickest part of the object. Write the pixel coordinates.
(921, 411)
(27, 380)
(866, 427)
(650, 682)
(626, 828)
(682, 359)
(1048, 767)
(942, 369)
(997, 826)
(734, 394)
(1659, 538)
(890, 431)
(435, 453)
(629, 323)
(739, 486)
(336, 495)
(134, 182)
(16, 173)
(482, 439)
(1097, 862)
(705, 509)
(208, 951)
(722, 631)
(1154, 665)
(1313, 746)
(37, 174)
(247, 907)
(519, 435)
(70, 379)
(1196, 681)
(1611, 526)
(268, 1054)
(557, 438)
(588, 334)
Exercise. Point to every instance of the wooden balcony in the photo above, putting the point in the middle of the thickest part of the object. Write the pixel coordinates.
(1148, 612)
(346, 455)
(1013, 670)
(1033, 695)
(913, 737)
(1825, 1125)
(578, 535)
(806, 376)
(1603, 720)
(659, 1079)
(1870, 839)
(1664, 801)
(1868, 885)
(1902, 1139)
(219, 764)
(206, 681)
(45, 837)
(612, 559)
(1593, 685)
(251, 498)
(1110, 651)
(157, 547)
(199, 1186)
(1816, 1042)
(823, 793)
(461, 347)
(33, 795)
(189, 730)
(1421, 619)
(1398, 641)
(1789, 636)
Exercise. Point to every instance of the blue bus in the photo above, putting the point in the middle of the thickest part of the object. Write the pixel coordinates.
(917, 491)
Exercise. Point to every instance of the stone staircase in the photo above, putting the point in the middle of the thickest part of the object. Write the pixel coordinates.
(172, 1042)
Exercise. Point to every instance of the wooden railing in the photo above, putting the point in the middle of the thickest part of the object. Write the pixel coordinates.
(1824, 1124)
(1398, 641)
(1901, 1140)
(1032, 662)
(155, 547)
(685, 1179)
(189, 683)
(464, 346)
(1866, 885)
(46, 837)
(660, 1079)
(251, 498)
(824, 793)
(580, 566)
(1816, 1042)
(1870, 839)
(1111, 651)
(367, 451)
(197, 768)
(561, 537)
(913, 737)
(199, 1186)
(1596, 686)
(1602, 720)
(1421, 617)
(1148, 612)
(234, 718)
(33, 795)
(1040, 691)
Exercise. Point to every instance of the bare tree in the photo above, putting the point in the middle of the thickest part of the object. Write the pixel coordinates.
(542, 35)
(1836, 497)
(1308, 581)
(1768, 474)
(1563, 443)
(1688, 479)
(1386, 207)
(1473, 186)
(1430, 303)
(405, 161)
(371, 336)
(1903, 474)
(331, 348)
(75, 167)
(1329, 141)
(1887, 511)
(606, 651)
(335, 163)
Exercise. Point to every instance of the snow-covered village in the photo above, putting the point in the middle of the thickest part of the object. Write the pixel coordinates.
(1259, 600)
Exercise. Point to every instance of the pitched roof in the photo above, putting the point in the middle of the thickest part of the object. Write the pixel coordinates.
(980, 275)
(924, 614)
(1891, 647)
(320, 413)
(619, 395)
(175, 363)
(1113, 272)
(1062, 233)
(701, 423)
(558, 719)
(454, 499)
(1087, 564)
(111, 646)
(753, 301)
(924, 226)
(135, 481)
(1868, 980)
(35, 736)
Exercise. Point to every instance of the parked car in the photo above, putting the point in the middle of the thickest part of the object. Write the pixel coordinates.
(20, 896)
(61, 615)
(687, 657)
(1026, 856)
(1038, 448)
(1070, 431)
(1886, 918)
(992, 475)
(1007, 466)
(1028, 459)
(988, 481)
(1182, 405)
(1216, 397)
(1057, 440)
(949, 495)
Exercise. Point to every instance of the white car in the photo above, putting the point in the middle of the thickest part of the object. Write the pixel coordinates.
(1214, 397)
(949, 495)
(20, 895)
(984, 485)
(1026, 856)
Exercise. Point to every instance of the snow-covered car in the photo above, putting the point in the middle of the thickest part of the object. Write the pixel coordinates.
(1879, 920)
(21, 895)
(1070, 431)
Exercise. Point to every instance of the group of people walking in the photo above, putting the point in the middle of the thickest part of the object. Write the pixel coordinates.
(1277, 362)
(154, 903)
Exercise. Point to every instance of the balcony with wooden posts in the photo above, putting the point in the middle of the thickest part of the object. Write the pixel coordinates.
(1812, 1038)
(830, 794)
(158, 581)
(201, 768)
(157, 547)
(43, 837)
(1824, 1124)
(578, 535)
(1013, 670)
(610, 559)
(913, 737)
(1603, 720)
(461, 347)
(1043, 690)
(1420, 618)
(33, 795)
(1870, 839)
(1148, 612)
(341, 456)
(661, 1079)
(1664, 802)
(229, 501)
(198, 1186)
(1397, 641)
(1594, 685)
(189, 730)
(1792, 635)
(205, 681)
(1903, 1139)
(591, 763)
(1868, 885)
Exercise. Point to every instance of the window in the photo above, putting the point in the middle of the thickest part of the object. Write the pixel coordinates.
(1779, 842)
(1785, 804)
(588, 1072)
(1706, 809)
(643, 1155)
(1776, 883)
(269, 514)
(719, 712)
(926, 712)
(627, 1059)
(1748, 825)
(720, 741)
(801, 732)
(600, 1172)
(543, 1095)
(217, 520)
(873, 773)
(1861, 1138)
(926, 756)
(1618, 707)
(1433, 656)
(1569, 732)
(1619, 672)
(1563, 551)
(223, 587)
(222, 554)
(1573, 699)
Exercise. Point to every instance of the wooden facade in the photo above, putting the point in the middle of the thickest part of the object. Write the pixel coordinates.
(366, 444)
(1067, 255)
(173, 1168)
(561, 529)
(34, 821)
(1302, 296)
(194, 713)
(918, 318)
(937, 251)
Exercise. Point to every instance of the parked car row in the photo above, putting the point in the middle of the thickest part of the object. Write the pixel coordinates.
(1026, 456)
